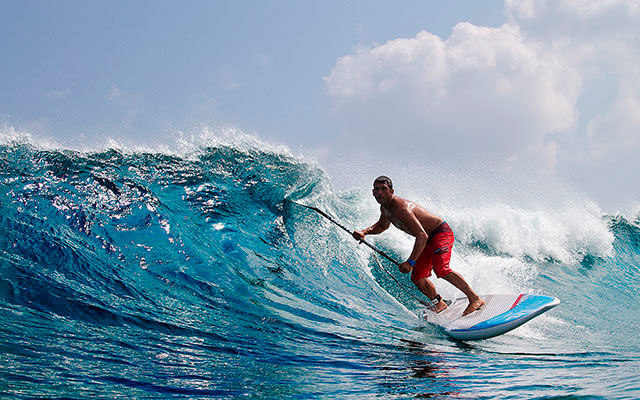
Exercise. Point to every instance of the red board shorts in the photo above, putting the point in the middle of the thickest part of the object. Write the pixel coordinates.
(436, 254)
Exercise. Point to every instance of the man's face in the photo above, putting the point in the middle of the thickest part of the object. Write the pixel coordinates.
(382, 193)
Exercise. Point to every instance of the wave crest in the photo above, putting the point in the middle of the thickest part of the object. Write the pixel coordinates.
(566, 235)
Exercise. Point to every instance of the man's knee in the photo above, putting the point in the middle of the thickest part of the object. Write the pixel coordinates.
(417, 279)
(447, 275)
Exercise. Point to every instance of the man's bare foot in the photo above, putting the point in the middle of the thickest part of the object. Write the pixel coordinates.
(441, 306)
(473, 306)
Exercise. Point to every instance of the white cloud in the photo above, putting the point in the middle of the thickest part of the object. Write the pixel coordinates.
(484, 91)
(557, 86)
(575, 18)
(603, 39)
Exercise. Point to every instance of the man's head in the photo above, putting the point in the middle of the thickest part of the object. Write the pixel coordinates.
(383, 189)
(384, 179)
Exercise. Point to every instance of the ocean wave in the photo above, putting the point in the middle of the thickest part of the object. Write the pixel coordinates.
(179, 259)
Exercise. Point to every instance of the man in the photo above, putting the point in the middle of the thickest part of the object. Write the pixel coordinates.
(432, 248)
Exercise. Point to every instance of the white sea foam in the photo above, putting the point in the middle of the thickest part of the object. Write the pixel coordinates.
(9, 135)
(188, 142)
(565, 234)
(632, 215)
(179, 142)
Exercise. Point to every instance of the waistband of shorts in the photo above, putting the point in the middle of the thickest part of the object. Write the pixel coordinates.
(443, 227)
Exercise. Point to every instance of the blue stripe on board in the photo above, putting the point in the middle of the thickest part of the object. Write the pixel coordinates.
(527, 305)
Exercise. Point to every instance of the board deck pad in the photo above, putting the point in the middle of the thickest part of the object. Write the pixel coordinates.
(500, 314)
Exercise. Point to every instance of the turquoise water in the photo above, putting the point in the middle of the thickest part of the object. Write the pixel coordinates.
(157, 275)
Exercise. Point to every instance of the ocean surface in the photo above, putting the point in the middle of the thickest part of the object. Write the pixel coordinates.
(132, 274)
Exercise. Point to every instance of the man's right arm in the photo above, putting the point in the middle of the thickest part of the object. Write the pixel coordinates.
(379, 227)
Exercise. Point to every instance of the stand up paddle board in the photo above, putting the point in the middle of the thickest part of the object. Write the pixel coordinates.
(500, 314)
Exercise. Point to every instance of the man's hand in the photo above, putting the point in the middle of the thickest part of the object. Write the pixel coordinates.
(358, 235)
(405, 267)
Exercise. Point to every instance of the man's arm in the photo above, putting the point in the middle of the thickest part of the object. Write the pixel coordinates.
(379, 227)
(410, 221)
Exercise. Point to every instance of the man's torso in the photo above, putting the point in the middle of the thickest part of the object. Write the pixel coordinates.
(428, 220)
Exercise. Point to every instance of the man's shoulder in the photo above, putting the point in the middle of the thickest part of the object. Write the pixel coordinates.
(403, 206)
(401, 202)
(411, 208)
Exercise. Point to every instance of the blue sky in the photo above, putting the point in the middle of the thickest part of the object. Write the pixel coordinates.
(138, 69)
(509, 96)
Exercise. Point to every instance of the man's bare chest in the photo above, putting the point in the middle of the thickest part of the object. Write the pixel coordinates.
(395, 221)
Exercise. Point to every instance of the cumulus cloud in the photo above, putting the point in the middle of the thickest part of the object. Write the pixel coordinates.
(485, 91)
(555, 88)
(602, 39)
(578, 19)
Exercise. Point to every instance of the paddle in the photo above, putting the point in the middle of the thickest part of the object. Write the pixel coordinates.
(372, 247)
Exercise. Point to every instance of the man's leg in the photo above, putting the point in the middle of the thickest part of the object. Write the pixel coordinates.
(475, 302)
(429, 290)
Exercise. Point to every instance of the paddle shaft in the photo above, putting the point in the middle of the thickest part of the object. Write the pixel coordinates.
(372, 247)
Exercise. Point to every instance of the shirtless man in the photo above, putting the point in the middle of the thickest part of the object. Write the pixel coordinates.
(432, 248)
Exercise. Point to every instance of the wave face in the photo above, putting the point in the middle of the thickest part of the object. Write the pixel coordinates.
(158, 275)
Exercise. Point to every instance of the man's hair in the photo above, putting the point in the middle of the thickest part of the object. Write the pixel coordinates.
(385, 180)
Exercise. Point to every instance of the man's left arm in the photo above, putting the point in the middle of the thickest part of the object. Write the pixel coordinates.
(414, 226)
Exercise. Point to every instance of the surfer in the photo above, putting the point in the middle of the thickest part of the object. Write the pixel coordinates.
(432, 248)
